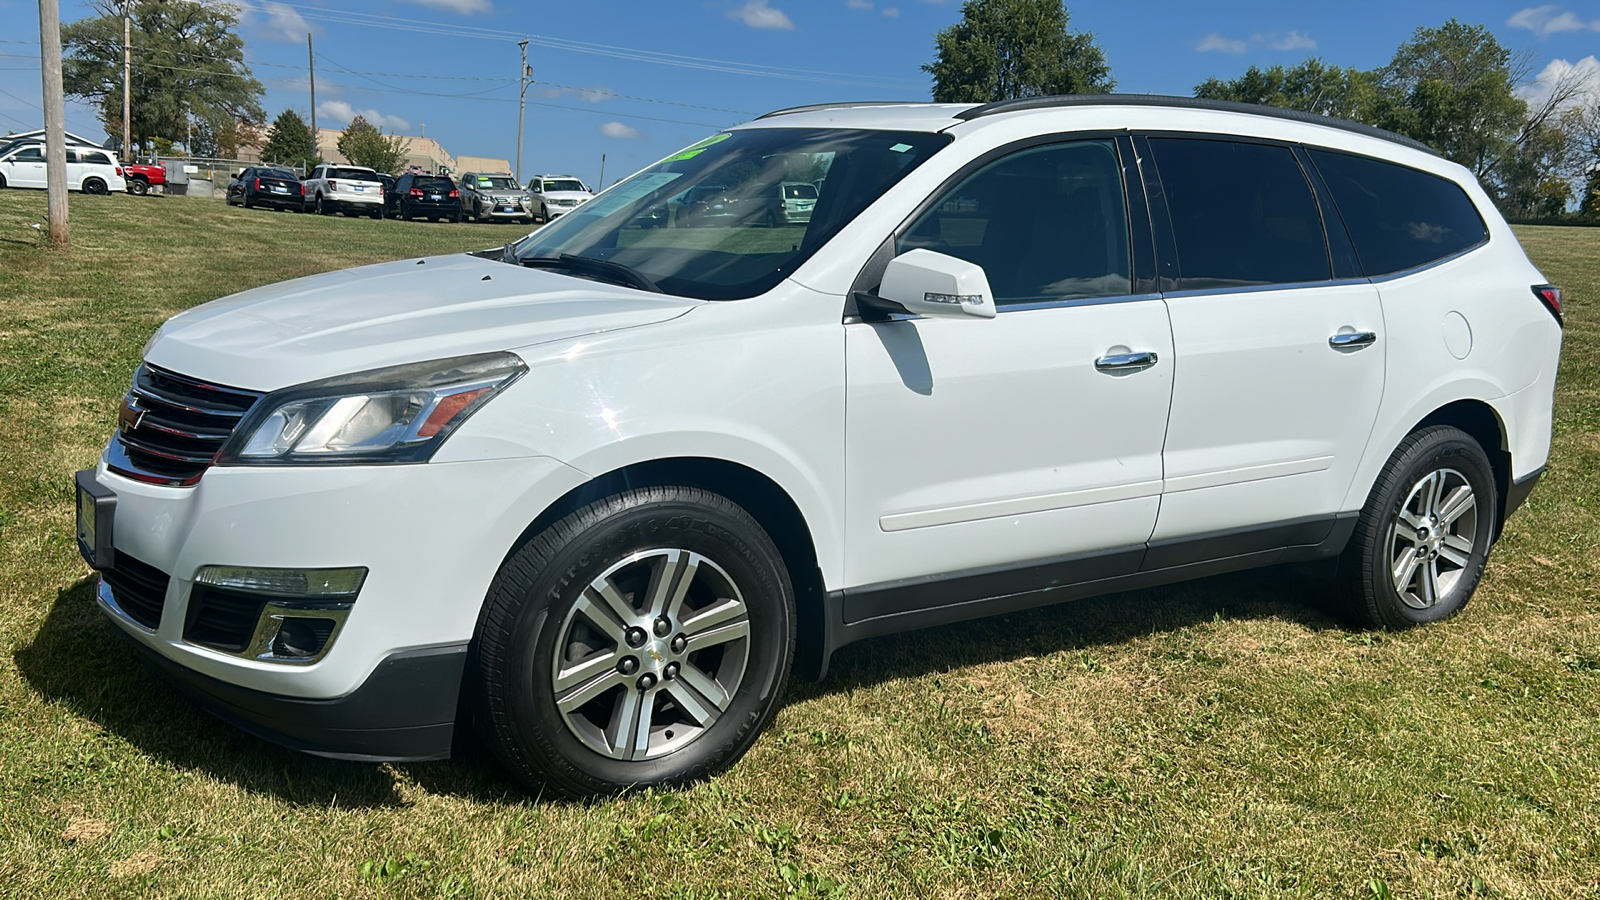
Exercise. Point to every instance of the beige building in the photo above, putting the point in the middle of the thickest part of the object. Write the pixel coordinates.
(425, 153)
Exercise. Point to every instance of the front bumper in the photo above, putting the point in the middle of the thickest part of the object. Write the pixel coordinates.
(495, 212)
(405, 711)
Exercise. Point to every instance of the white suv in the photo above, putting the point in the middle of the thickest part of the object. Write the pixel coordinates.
(352, 190)
(92, 171)
(610, 484)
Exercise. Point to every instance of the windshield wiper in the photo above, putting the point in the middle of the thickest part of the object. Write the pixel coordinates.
(604, 269)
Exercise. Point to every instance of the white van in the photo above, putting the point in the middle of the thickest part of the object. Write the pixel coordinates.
(89, 170)
(611, 484)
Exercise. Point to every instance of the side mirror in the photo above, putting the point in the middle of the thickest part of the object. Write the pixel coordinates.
(933, 284)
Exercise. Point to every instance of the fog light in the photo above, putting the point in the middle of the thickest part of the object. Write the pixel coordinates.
(330, 584)
(301, 638)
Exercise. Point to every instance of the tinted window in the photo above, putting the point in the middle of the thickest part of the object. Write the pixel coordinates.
(1242, 214)
(1047, 223)
(29, 154)
(337, 173)
(1398, 218)
(90, 156)
(433, 184)
(799, 192)
(564, 184)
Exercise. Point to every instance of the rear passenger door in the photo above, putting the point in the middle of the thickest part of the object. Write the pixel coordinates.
(1279, 371)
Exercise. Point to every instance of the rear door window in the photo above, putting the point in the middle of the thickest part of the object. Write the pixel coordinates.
(1243, 214)
(1047, 223)
(1398, 218)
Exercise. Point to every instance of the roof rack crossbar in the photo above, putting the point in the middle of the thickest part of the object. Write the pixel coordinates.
(846, 104)
(1275, 112)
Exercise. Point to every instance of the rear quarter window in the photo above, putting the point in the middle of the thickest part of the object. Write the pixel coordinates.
(1399, 218)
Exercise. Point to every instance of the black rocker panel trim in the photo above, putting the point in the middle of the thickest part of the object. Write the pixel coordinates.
(855, 614)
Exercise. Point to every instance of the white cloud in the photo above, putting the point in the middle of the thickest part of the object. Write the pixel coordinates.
(596, 94)
(465, 7)
(1545, 21)
(892, 12)
(1585, 71)
(619, 130)
(282, 23)
(341, 112)
(859, 4)
(1294, 40)
(1214, 41)
(757, 14)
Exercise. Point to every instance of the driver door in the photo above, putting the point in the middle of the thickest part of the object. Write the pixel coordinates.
(1010, 453)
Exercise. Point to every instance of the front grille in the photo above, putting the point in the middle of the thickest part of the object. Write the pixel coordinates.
(222, 619)
(171, 426)
(138, 589)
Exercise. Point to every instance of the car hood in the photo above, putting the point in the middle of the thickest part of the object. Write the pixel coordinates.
(566, 195)
(392, 313)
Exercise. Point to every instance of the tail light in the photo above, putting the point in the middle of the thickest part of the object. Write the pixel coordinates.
(454, 193)
(1550, 296)
(119, 171)
(416, 192)
(333, 185)
(258, 184)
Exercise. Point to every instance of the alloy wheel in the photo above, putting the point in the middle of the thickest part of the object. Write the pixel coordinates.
(650, 654)
(1432, 538)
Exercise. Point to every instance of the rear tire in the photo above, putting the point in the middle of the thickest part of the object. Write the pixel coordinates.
(138, 187)
(1424, 535)
(375, 213)
(323, 209)
(666, 601)
(244, 199)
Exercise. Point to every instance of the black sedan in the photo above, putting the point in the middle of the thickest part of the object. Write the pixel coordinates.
(266, 186)
(415, 195)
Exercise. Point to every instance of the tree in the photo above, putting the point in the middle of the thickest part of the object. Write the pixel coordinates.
(188, 66)
(289, 142)
(1312, 86)
(364, 145)
(1589, 206)
(1004, 49)
(1452, 89)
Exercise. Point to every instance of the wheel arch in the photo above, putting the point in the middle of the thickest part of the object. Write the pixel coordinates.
(759, 495)
(1483, 423)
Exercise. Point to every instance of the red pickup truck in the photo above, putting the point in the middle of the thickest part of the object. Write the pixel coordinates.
(141, 177)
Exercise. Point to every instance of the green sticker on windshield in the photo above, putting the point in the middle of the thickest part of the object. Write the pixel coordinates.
(697, 149)
(900, 148)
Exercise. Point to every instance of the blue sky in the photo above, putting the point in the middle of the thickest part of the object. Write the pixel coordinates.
(635, 79)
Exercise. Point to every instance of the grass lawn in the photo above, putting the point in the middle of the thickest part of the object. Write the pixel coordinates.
(1224, 738)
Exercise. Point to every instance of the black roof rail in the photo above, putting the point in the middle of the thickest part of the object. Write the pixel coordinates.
(1273, 112)
(847, 104)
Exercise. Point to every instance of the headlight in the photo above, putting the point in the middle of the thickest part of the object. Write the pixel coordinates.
(400, 414)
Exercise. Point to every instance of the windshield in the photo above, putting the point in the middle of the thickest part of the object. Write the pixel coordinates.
(708, 221)
(564, 184)
(496, 183)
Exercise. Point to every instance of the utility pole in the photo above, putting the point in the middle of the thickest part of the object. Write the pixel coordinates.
(127, 76)
(55, 136)
(311, 64)
(522, 105)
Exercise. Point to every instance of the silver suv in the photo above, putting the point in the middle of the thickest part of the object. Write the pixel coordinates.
(488, 196)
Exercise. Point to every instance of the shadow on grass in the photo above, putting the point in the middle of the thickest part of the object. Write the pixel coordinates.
(1291, 594)
(78, 660)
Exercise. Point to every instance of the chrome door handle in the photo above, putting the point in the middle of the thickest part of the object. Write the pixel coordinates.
(1126, 362)
(1353, 340)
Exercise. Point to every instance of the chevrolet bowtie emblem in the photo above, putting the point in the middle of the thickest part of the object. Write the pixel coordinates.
(129, 415)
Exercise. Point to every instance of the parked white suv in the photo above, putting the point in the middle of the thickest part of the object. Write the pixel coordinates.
(612, 483)
(558, 194)
(23, 165)
(352, 190)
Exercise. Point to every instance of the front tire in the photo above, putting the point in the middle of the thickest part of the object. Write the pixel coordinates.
(1423, 539)
(643, 640)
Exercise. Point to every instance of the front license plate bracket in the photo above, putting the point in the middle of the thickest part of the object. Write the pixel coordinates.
(97, 507)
